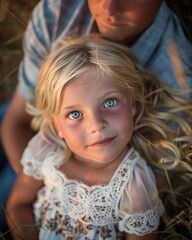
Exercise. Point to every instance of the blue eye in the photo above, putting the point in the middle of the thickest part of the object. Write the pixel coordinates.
(110, 103)
(75, 115)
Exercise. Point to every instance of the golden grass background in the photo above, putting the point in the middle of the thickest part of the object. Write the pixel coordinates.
(14, 15)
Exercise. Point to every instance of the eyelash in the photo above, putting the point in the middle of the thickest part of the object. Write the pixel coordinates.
(110, 99)
(81, 114)
(70, 115)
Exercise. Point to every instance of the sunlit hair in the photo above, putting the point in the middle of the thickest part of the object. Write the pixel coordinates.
(160, 129)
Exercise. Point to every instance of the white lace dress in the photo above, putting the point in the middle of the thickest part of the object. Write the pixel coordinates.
(69, 209)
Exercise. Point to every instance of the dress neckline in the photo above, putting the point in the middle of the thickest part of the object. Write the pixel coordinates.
(54, 161)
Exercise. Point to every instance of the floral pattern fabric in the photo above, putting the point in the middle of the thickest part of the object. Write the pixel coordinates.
(69, 209)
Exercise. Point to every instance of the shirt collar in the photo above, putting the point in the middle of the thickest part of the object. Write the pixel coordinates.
(145, 47)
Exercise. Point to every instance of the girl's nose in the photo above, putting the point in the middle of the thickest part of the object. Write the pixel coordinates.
(96, 123)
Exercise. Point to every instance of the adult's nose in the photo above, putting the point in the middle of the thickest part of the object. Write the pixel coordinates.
(110, 6)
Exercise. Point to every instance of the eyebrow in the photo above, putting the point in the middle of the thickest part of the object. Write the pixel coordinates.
(69, 107)
(76, 106)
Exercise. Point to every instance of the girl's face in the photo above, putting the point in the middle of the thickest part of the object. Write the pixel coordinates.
(123, 20)
(95, 120)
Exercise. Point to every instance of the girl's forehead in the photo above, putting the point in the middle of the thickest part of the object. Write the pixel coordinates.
(87, 75)
(96, 75)
(90, 91)
(91, 85)
(90, 80)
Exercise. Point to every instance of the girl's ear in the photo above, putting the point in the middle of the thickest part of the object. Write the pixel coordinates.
(133, 105)
(58, 129)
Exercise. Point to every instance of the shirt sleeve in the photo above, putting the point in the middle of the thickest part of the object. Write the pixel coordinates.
(36, 45)
(34, 155)
(140, 205)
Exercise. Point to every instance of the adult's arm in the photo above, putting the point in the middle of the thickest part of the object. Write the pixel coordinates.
(36, 44)
(151, 236)
(15, 131)
(20, 216)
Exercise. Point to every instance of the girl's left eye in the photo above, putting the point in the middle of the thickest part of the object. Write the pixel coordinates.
(110, 103)
(74, 115)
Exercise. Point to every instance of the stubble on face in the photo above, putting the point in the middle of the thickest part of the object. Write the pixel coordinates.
(123, 22)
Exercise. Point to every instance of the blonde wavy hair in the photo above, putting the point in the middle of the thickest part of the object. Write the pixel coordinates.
(163, 120)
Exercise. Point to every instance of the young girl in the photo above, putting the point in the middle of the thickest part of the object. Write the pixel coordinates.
(102, 121)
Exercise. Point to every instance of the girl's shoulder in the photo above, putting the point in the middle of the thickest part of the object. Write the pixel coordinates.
(141, 185)
(34, 156)
(140, 200)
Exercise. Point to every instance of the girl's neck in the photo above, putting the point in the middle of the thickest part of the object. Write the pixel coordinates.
(91, 173)
(113, 163)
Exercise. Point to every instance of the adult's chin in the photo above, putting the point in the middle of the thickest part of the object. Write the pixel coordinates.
(116, 35)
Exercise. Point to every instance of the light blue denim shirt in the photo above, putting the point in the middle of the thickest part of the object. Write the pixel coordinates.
(152, 47)
(52, 20)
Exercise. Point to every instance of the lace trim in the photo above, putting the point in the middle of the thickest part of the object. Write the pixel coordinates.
(31, 166)
(92, 205)
(121, 176)
(135, 223)
(140, 223)
(95, 205)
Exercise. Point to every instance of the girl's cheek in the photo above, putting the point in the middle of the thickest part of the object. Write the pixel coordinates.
(71, 123)
(121, 110)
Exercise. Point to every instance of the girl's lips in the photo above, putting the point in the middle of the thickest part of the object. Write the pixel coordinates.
(102, 142)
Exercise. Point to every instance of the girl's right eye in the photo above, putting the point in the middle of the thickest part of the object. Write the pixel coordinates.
(75, 115)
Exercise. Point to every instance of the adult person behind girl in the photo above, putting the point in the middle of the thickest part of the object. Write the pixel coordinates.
(101, 119)
(146, 26)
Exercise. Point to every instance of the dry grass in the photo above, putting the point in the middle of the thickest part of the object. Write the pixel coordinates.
(13, 22)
